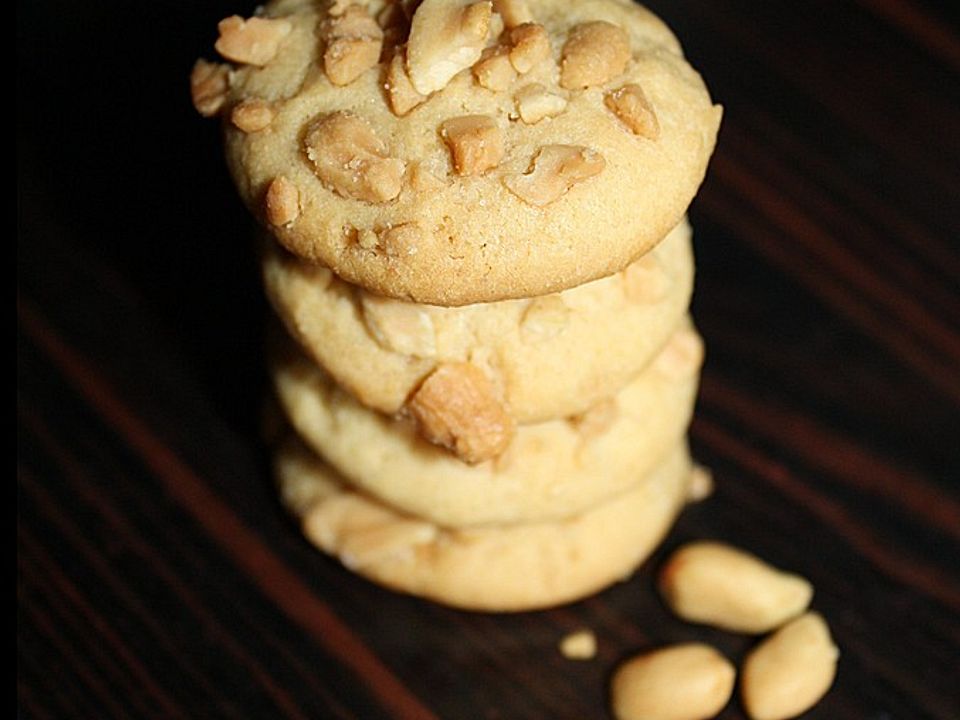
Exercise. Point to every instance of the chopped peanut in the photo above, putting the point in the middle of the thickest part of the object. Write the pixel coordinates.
(494, 70)
(513, 12)
(209, 83)
(475, 142)
(282, 201)
(529, 44)
(556, 169)
(350, 159)
(682, 355)
(254, 41)
(401, 240)
(401, 94)
(535, 102)
(252, 115)
(353, 45)
(594, 53)
(446, 37)
(645, 280)
(400, 327)
(630, 104)
(544, 318)
(456, 407)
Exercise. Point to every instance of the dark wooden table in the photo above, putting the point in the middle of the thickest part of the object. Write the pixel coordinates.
(159, 578)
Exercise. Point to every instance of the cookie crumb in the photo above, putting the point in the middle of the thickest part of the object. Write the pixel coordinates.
(579, 645)
(701, 484)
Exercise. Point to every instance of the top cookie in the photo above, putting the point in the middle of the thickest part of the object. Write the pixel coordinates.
(451, 152)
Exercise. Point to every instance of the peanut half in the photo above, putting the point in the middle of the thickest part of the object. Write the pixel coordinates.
(680, 682)
(716, 584)
(350, 159)
(446, 36)
(457, 407)
(790, 671)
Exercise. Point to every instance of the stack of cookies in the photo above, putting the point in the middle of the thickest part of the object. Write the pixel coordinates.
(476, 243)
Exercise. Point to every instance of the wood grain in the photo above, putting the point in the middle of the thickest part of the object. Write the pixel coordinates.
(157, 576)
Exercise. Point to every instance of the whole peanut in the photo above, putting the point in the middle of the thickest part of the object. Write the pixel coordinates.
(681, 682)
(789, 671)
(719, 585)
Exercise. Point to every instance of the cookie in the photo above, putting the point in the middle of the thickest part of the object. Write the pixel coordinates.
(469, 153)
(550, 357)
(500, 568)
(549, 470)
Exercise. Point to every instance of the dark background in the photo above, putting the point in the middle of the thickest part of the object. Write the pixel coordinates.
(158, 577)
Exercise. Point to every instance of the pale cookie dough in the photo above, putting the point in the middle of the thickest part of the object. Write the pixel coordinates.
(499, 569)
(473, 159)
(550, 357)
(550, 470)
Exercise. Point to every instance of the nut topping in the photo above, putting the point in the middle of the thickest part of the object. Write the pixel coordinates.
(544, 318)
(446, 36)
(456, 407)
(475, 142)
(556, 169)
(494, 70)
(535, 102)
(254, 41)
(282, 201)
(594, 53)
(252, 115)
(529, 44)
(350, 159)
(630, 104)
(513, 12)
(401, 94)
(209, 83)
(399, 327)
(353, 45)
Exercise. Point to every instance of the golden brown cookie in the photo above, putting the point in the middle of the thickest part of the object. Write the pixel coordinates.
(498, 568)
(548, 471)
(549, 357)
(470, 153)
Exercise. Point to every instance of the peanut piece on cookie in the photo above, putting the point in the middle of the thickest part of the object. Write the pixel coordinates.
(682, 355)
(446, 36)
(401, 240)
(209, 83)
(456, 407)
(254, 41)
(513, 12)
(594, 53)
(630, 104)
(353, 42)
(556, 169)
(401, 94)
(645, 280)
(475, 142)
(535, 102)
(494, 70)
(252, 115)
(544, 318)
(350, 159)
(529, 44)
(282, 201)
(399, 327)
